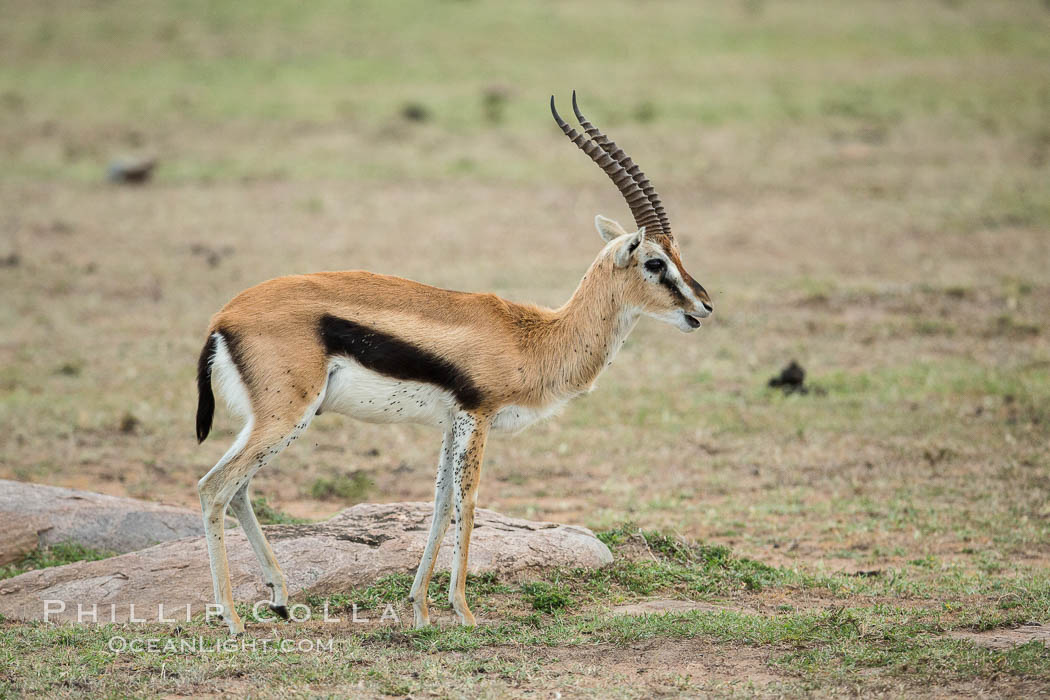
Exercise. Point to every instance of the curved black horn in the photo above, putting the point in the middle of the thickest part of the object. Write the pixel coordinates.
(629, 165)
(636, 198)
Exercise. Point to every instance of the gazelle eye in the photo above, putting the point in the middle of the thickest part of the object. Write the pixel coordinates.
(654, 265)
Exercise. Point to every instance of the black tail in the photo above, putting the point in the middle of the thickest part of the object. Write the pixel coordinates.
(205, 399)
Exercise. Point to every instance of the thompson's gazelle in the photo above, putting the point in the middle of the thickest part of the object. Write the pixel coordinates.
(388, 350)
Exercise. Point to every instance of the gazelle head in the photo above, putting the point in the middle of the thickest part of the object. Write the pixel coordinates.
(652, 275)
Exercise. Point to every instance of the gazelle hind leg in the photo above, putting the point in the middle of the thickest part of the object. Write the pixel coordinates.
(254, 448)
(241, 506)
(438, 527)
(216, 490)
(470, 432)
(214, 512)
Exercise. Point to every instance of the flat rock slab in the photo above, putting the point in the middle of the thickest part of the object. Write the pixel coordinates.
(1007, 638)
(351, 550)
(34, 515)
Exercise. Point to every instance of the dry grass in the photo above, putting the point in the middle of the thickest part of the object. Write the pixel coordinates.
(863, 190)
(929, 398)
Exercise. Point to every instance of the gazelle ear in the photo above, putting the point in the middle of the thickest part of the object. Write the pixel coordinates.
(627, 250)
(607, 228)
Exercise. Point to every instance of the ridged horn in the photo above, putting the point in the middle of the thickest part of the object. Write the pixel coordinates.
(629, 165)
(636, 198)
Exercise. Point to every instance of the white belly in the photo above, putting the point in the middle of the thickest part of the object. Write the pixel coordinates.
(361, 393)
(514, 418)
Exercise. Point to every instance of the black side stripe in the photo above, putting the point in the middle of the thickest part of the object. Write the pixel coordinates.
(396, 358)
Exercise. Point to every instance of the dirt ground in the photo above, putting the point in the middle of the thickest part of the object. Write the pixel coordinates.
(864, 191)
(108, 307)
(899, 461)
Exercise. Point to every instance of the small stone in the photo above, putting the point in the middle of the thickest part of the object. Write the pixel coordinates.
(134, 171)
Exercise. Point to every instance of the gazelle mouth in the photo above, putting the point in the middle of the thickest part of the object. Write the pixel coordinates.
(693, 321)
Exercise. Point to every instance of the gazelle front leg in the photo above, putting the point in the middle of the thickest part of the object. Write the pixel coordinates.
(442, 516)
(469, 432)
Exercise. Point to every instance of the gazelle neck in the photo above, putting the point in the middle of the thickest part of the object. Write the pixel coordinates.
(586, 332)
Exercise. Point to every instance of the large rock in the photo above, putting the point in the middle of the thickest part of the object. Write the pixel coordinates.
(33, 515)
(353, 549)
(21, 535)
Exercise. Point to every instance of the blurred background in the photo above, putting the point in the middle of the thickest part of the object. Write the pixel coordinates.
(862, 186)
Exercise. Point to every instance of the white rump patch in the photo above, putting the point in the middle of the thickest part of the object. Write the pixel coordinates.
(228, 380)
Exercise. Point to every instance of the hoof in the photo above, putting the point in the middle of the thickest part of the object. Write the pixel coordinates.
(281, 610)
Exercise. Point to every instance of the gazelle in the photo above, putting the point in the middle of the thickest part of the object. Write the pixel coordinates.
(387, 350)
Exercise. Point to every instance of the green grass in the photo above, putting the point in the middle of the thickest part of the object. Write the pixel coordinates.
(546, 597)
(863, 186)
(53, 555)
(902, 638)
(268, 515)
(348, 488)
(241, 69)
